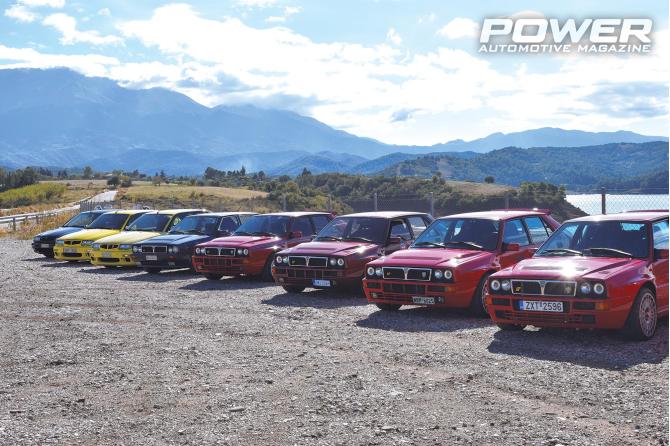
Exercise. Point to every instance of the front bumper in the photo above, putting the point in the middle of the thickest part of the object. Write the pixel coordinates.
(113, 257)
(305, 276)
(577, 312)
(72, 252)
(45, 247)
(163, 260)
(402, 292)
(225, 265)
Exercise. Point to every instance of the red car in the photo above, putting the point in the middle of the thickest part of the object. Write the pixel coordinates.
(339, 254)
(249, 250)
(447, 266)
(604, 271)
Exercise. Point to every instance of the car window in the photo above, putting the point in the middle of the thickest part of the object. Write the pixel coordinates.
(537, 229)
(302, 224)
(514, 232)
(132, 219)
(418, 225)
(228, 224)
(400, 229)
(175, 221)
(320, 222)
(661, 235)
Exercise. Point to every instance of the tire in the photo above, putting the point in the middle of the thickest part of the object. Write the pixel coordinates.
(213, 276)
(49, 255)
(643, 317)
(477, 304)
(388, 307)
(266, 274)
(152, 270)
(294, 289)
(510, 327)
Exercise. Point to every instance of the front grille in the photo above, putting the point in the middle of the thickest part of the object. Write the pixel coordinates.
(108, 246)
(314, 262)
(154, 249)
(420, 274)
(405, 288)
(311, 274)
(221, 262)
(226, 252)
(71, 254)
(394, 273)
(415, 274)
(108, 260)
(544, 287)
(557, 318)
(73, 242)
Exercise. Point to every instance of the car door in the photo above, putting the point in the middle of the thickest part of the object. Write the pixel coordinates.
(304, 225)
(399, 228)
(514, 232)
(659, 265)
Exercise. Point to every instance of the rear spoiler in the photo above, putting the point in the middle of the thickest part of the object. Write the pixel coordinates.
(544, 211)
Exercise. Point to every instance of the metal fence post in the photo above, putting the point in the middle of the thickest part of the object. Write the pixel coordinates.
(432, 204)
(603, 201)
(283, 199)
(330, 203)
(506, 201)
(14, 224)
(375, 208)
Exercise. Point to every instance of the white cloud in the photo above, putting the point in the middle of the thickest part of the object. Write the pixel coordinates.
(460, 27)
(257, 3)
(428, 18)
(88, 64)
(288, 12)
(67, 26)
(43, 3)
(393, 36)
(20, 13)
(104, 12)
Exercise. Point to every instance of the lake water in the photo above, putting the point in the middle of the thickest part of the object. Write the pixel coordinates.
(590, 203)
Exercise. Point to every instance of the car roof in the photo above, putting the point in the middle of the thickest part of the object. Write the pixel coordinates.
(127, 211)
(497, 214)
(626, 216)
(297, 214)
(223, 214)
(385, 214)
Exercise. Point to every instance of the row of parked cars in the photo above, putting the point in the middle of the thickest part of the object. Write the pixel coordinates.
(518, 266)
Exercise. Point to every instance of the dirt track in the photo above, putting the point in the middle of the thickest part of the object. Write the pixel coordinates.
(95, 356)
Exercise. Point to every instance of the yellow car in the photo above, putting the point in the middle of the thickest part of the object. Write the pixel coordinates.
(77, 246)
(117, 250)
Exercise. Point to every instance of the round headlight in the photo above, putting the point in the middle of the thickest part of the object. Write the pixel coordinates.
(279, 259)
(96, 246)
(599, 288)
(378, 272)
(585, 288)
(37, 239)
(438, 274)
(371, 271)
(332, 262)
(495, 285)
(340, 262)
(175, 249)
(86, 242)
(448, 274)
(506, 285)
(239, 251)
(136, 249)
(60, 242)
(245, 252)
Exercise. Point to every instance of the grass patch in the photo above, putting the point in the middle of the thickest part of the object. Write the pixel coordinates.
(35, 193)
(26, 231)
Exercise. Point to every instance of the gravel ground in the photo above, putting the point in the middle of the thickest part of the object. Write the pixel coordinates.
(97, 356)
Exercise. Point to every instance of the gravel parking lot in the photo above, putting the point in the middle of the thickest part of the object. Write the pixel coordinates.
(97, 356)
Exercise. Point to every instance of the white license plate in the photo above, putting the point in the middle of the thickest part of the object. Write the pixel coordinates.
(106, 254)
(154, 258)
(541, 305)
(69, 250)
(317, 282)
(423, 300)
(45, 245)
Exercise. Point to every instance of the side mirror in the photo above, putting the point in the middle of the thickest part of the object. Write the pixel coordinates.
(661, 254)
(223, 233)
(312, 237)
(510, 247)
(533, 251)
(295, 234)
(394, 241)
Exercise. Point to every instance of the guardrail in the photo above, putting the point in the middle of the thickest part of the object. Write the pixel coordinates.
(13, 221)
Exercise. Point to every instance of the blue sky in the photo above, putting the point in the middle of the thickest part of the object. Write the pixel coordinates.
(400, 71)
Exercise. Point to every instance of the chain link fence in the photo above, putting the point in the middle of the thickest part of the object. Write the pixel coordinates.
(611, 201)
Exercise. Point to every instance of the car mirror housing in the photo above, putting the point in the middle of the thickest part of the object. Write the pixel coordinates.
(511, 247)
(394, 241)
(661, 254)
(295, 234)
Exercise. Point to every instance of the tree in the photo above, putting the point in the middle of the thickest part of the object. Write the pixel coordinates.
(113, 181)
(88, 172)
(489, 180)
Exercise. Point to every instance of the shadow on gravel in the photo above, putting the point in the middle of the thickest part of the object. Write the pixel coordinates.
(421, 319)
(227, 283)
(592, 348)
(110, 271)
(39, 259)
(316, 299)
(166, 276)
(59, 264)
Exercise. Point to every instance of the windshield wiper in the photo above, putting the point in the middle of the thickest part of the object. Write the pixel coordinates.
(437, 245)
(561, 251)
(329, 237)
(362, 239)
(262, 233)
(242, 233)
(617, 252)
(470, 244)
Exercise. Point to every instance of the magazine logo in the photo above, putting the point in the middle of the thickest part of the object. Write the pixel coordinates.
(539, 35)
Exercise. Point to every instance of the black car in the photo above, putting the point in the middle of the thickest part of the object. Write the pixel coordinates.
(43, 243)
(174, 249)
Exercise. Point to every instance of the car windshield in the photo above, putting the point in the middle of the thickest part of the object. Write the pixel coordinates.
(82, 220)
(265, 225)
(460, 233)
(197, 224)
(364, 229)
(149, 222)
(598, 239)
(108, 221)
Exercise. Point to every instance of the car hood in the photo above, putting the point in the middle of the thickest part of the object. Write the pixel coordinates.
(331, 248)
(573, 267)
(126, 237)
(244, 241)
(178, 239)
(90, 234)
(433, 257)
(58, 232)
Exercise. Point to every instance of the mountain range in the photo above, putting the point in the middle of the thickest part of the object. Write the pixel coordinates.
(57, 117)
